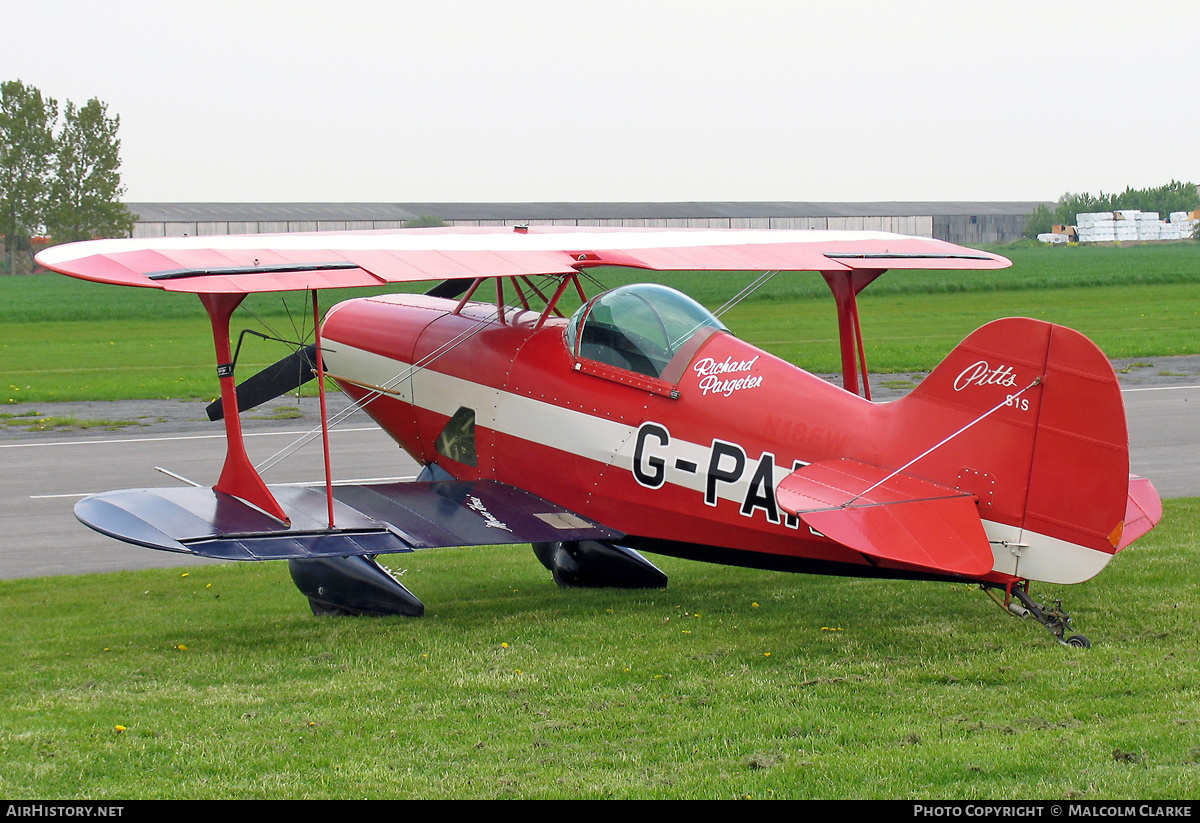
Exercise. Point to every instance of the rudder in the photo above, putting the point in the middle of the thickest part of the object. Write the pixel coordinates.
(1045, 451)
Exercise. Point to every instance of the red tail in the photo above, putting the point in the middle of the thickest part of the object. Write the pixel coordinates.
(1036, 429)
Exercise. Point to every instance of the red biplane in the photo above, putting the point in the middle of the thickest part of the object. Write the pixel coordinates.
(639, 423)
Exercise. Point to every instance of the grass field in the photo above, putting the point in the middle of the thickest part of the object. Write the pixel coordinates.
(731, 683)
(218, 683)
(64, 339)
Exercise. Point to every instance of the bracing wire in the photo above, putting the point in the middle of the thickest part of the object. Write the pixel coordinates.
(752, 287)
(746, 291)
(1006, 402)
(448, 346)
(407, 374)
(356, 406)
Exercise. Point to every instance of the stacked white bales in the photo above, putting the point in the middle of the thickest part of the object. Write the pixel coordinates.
(1133, 225)
(1096, 227)
(1183, 224)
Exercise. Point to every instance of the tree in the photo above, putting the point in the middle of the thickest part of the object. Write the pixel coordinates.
(26, 156)
(425, 221)
(87, 182)
(1174, 196)
(1040, 221)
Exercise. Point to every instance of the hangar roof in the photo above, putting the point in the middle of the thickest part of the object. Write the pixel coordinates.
(249, 212)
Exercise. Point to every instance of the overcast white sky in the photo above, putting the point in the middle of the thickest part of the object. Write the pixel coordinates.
(580, 100)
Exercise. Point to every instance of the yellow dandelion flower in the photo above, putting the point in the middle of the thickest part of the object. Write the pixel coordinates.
(181, 647)
(118, 729)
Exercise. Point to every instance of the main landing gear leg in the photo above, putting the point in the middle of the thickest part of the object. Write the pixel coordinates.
(1057, 622)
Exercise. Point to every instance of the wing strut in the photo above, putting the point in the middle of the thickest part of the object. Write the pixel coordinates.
(324, 416)
(845, 286)
(238, 477)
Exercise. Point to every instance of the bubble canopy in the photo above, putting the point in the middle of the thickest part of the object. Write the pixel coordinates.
(638, 327)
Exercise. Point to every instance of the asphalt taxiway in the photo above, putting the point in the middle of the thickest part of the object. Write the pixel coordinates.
(43, 473)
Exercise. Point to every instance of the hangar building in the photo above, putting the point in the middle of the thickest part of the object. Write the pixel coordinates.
(957, 222)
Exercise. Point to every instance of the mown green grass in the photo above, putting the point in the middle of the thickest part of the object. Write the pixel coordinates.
(914, 332)
(64, 339)
(34, 421)
(730, 683)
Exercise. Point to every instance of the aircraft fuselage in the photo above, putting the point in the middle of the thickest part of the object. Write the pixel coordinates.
(687, 464)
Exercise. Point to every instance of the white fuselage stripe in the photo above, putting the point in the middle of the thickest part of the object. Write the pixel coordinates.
(574, 432)
(1018, 552)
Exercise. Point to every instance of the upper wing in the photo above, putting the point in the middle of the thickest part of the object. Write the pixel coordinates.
(216, 264)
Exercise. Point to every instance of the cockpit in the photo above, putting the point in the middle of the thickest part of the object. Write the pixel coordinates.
(639, 328)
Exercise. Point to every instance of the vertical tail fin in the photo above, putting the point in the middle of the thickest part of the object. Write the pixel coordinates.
(1046, 452)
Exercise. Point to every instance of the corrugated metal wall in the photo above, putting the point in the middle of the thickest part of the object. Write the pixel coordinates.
(982, 229)
(916, 225)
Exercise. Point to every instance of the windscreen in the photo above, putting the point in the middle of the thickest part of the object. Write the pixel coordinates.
(639, 328)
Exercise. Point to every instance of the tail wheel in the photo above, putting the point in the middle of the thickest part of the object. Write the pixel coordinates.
(1055, 620)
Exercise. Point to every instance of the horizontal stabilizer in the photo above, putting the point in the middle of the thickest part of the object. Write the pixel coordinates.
(368, 519)
(1143, 510)
(897, 518)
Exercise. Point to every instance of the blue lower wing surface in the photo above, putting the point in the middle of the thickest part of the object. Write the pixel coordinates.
(368, 519)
